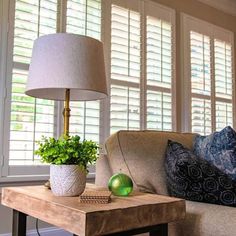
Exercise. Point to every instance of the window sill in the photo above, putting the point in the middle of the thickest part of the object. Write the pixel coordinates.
(13, 181)
(22, 178)
(33, 176)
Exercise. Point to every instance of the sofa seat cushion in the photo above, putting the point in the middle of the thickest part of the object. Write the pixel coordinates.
(141, 154)
(207, 220)
(194, 178)
(219, 148)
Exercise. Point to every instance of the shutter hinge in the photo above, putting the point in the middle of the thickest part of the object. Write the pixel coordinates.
(4, 93)
(8, 27)
(1, 160)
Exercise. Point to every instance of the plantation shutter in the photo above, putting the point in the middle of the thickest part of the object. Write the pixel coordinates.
(141, 66)
(84, 18)
(159, 67)
(30, 118)
(200, 82)
(211, 76)
(125, 67)
(223, 83)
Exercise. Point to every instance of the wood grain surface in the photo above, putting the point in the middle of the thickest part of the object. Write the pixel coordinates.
(123, 213)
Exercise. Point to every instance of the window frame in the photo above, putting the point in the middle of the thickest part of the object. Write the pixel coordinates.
(39, 172)
(4, 8)
(188, 24)
(164, 13)
(7, 13)
(14, 172)
(21, 173)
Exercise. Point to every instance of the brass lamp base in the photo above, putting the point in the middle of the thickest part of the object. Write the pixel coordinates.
(66, 112)
(66, 115)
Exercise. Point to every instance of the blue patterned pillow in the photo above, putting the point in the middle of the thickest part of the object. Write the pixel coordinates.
(195, 179)
(219, 149)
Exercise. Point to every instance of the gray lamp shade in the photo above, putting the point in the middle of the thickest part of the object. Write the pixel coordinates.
(67, 61)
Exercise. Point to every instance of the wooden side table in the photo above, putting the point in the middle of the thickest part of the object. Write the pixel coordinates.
(138, 213)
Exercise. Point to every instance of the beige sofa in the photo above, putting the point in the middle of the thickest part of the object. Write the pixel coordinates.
(140, 154)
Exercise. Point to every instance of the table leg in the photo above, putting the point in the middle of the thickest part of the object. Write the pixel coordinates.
(19, 223)
(162, 231)
(156, 230)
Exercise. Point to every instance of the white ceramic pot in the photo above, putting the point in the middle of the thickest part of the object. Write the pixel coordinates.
(67, 180)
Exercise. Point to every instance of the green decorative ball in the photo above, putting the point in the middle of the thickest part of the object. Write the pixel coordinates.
(120, 184)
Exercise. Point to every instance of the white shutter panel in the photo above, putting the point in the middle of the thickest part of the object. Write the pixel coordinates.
(159, 115)
(223, 84)
(84, 120)
(200, 64)
(142, 56)
(125, 69)
(210, 78)
(30, 118)
(200, 83)
(201, 78)
(124, 108)
(84, 18)
(159, 51)
(125, 45)
(201, 116)
(224, 114)
(32, 19)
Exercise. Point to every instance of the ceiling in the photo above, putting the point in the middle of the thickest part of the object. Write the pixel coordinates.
(228, 6)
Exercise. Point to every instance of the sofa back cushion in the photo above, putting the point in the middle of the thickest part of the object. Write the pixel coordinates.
(195, 179)
(140, 154)
(219, 148)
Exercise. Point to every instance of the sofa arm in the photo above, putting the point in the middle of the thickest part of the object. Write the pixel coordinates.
(103, 171)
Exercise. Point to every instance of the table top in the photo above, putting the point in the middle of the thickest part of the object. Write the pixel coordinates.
(123, 213)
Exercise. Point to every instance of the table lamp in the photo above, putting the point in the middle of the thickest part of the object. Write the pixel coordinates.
(67, 67)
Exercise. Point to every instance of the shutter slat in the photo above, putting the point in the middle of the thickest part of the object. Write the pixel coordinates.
(201, 116)
(125, 108)
(200, 63)
(159, 64)
(201, 82)
(223, 70)
(159, 73)
(159, 114)
(125, 66)
(224, 113)
(125, 38)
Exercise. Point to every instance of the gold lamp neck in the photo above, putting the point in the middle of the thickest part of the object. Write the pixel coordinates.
(66, 112)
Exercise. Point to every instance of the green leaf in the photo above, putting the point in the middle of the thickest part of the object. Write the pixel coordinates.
(67, 150)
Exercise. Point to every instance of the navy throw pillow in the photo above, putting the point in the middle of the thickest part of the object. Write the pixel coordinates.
(193, 178)
(219, 148)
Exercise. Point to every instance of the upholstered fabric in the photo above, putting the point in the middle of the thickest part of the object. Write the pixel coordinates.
(202, 219)
(103, 171)
(219, 148)
(195, 179)
(205, 219)
(140, 154)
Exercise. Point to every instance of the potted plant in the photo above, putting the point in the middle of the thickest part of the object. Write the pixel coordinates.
(69, 158)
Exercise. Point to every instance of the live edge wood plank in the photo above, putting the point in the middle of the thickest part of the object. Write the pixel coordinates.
(123, 213)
